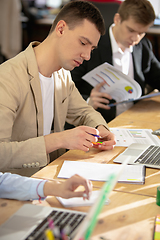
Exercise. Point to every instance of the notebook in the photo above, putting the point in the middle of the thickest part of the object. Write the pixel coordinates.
(30, 221)
(146, 154)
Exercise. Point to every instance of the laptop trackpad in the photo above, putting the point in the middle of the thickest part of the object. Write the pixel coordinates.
(132, 152)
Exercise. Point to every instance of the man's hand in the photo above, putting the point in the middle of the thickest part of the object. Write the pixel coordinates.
(70, 185)
(80, 138)
(107, 138)
(99, 99)
(67, 188)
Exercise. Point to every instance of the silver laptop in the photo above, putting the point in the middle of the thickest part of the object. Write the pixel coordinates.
(31, 221)
(146, 154)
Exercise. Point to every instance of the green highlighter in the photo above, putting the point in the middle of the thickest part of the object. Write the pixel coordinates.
(86, 228)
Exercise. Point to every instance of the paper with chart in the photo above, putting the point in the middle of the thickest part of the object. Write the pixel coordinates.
(125, 137)
(120, 86)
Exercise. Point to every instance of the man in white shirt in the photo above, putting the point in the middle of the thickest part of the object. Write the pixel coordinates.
(125, 47)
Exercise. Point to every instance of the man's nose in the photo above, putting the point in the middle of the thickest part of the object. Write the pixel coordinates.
(86, 55)
(135, 37)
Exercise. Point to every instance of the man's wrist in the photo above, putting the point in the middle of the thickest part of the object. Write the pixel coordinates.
(102, 126)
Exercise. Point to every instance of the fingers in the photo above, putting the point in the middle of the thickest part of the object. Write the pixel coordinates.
(99, 99)
(84, 137)
(99, 86)
(95, 93)
(107, 145)
(77, 181)
(107, 139)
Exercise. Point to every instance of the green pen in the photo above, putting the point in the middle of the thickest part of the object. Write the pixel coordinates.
(90, 221)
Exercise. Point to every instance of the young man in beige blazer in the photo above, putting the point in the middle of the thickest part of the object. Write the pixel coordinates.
(37, 94)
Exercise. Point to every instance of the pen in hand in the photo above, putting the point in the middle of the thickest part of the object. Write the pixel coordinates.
(95, 135)
(96, 143)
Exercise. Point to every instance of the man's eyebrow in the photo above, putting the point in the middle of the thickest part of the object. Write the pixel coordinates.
(89, 42)
(135, 30)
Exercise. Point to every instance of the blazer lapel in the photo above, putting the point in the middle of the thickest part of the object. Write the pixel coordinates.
(137, 59)
(105, 49)
(35, 86)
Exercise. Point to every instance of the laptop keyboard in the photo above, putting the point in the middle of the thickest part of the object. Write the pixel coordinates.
(150, 156)
(60, 219)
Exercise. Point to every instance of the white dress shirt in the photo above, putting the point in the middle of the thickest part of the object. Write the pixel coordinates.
(123, 62)
(14, 186)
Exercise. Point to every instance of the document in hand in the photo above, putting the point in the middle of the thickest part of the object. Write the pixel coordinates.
(100, 172)
(120, 86)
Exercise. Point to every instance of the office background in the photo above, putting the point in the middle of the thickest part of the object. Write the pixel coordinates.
(23, 21)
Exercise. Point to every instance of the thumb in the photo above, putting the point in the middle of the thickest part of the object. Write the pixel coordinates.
(99, 85)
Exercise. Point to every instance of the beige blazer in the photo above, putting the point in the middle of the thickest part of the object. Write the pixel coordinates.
(22, 143)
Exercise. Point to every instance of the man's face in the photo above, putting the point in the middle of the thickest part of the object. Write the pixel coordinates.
(128, 33)
(75, 45)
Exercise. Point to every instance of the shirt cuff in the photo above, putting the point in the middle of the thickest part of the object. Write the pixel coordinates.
(37, 187)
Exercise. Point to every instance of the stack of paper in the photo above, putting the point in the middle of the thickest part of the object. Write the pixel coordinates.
(100, 172)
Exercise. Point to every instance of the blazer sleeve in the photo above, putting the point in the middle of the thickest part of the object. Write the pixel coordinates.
(147, 67)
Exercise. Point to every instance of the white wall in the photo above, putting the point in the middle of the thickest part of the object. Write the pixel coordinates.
(156, 6)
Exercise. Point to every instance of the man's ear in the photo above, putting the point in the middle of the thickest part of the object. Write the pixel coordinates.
(117, 18)
(60, 27)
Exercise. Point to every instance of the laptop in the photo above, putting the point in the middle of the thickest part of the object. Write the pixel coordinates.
(30, 221)
(146, 154)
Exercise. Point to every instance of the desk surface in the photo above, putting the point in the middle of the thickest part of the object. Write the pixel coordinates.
(132, 209)
(144, 114)
(127, 217)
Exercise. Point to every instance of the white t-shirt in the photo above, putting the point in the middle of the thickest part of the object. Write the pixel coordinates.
(123, 62)
(47, 88)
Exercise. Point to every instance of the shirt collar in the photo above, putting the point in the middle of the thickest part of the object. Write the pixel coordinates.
(114, 45)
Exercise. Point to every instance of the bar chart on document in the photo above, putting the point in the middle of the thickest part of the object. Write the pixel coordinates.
(125, 137)
(120, 86)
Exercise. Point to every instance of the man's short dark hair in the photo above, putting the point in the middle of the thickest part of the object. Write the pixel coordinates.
(74, 12)
(140, 10)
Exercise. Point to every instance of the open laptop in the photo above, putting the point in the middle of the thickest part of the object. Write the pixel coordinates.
(146, 154)
(30, 221)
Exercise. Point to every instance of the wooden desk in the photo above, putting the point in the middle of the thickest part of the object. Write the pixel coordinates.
(144, 114)
(127, 217)
(132, 209)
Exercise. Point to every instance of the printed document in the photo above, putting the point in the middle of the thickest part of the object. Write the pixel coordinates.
(125, 137)
(120, 86)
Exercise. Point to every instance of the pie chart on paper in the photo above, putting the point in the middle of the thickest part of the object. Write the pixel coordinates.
(120, 86)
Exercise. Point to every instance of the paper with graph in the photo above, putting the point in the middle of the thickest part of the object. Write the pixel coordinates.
(125, 137)
(120, 86)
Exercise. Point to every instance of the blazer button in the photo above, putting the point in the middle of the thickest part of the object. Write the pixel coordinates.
(29, 165)
(24, 165)
(33, 164)
(37, 164)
